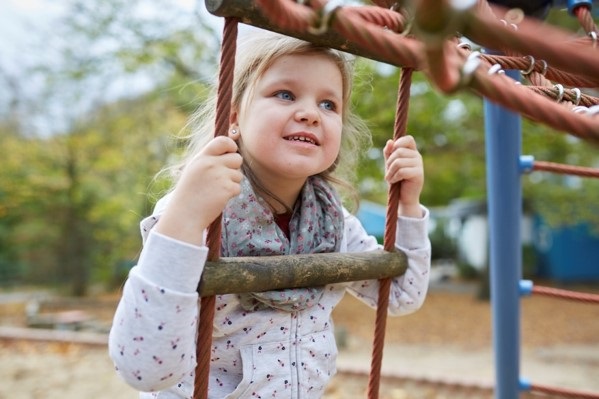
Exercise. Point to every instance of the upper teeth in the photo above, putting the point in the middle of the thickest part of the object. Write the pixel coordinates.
(302, 138)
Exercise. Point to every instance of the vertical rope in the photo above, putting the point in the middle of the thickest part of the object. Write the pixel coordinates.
(401, 118)
(223, 112)
(585, 17)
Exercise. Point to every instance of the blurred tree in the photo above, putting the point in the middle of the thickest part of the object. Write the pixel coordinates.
(101, 51)
(108, 169)
(128, 73)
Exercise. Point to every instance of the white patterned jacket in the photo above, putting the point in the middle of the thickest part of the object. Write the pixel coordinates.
(262, 354)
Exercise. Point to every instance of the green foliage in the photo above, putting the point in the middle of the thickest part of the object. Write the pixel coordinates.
(71, 202)
(448, 130)
(562, 200)
(442, 244)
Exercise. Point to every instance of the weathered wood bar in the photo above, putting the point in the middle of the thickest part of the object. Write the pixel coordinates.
(264, 273)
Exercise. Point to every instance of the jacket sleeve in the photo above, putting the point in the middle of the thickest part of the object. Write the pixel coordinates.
(152, 339)
(409, 290)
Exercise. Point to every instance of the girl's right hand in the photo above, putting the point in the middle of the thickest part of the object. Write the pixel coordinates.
(206, 184)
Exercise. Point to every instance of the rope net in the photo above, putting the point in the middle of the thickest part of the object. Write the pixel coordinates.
(423, 37)
(428, 36)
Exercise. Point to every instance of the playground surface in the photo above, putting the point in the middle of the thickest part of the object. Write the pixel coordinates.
(442, 351)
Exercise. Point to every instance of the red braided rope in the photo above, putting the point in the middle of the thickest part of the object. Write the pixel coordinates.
(502, 90)
(573, 65)
(401, 118)
(583, 13)
(359, 25)
(535, 38)
(565, 169)
(563, 392)
(223, 111)
(400, 50)
(393, 21)
(565, 294)
(567, 95)
(540, 66)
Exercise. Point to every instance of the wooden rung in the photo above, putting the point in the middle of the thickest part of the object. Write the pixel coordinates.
(265, 273)
(249, 13)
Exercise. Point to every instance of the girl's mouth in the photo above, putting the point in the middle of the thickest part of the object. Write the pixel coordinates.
(303, 137)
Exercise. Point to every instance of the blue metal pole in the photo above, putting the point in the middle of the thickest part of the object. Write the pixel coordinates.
(504, 200)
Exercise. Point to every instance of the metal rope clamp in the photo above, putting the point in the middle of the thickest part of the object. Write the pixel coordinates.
(328, 11)
(470, 66)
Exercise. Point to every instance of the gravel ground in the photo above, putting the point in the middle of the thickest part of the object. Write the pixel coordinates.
(431, 354)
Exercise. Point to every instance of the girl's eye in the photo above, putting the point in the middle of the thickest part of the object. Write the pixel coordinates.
(328, 105)
(284, 95)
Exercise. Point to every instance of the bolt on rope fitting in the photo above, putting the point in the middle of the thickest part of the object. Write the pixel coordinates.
(505, 23)
(495, 69)
(465, 46)
(462, 5)
(544, 69)
(325, 19)
(593, 36)
(531, 67)
(560, 92)
(470, 66)
(578, 95)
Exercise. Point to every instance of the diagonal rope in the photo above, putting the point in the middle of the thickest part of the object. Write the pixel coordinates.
(566, 294)
(565, 169)
(562, 392)
(585, 17)
(401, 117)
(223, 111)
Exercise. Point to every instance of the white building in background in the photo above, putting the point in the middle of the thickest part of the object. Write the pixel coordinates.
(465, 221)
(468, 225)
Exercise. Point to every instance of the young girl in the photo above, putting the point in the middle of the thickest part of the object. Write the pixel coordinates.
(291, 131)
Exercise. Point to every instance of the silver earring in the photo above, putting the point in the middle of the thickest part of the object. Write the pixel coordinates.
(233, 131)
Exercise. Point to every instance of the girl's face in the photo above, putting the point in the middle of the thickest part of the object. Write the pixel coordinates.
(291, 126)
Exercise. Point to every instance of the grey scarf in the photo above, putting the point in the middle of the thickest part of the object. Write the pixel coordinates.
(316, 226)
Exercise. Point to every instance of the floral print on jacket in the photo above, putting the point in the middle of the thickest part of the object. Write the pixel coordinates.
(263, 354)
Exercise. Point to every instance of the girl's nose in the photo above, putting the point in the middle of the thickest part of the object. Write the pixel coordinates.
(307, 114)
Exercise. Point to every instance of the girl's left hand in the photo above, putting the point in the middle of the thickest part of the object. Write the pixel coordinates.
(403, 163)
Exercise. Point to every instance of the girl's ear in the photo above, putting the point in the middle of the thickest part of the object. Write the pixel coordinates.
(234, 127)
(233, 118)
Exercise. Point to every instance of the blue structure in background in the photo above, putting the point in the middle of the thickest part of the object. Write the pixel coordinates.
(566, 254)
(504, 204)
(372, 216)
(503, 134)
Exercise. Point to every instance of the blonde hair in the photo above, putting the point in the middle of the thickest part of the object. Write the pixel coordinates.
(255, 54)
